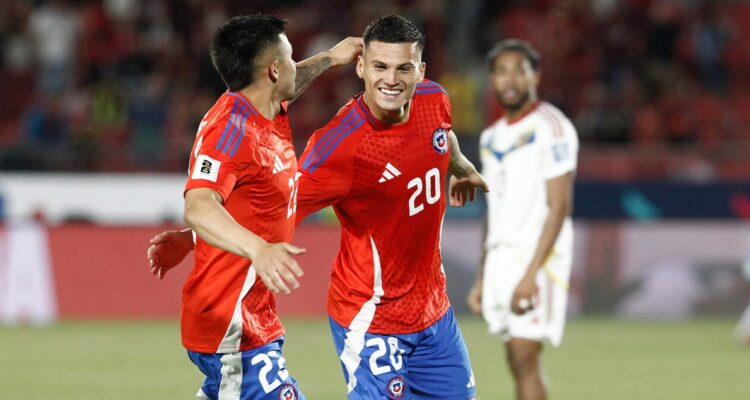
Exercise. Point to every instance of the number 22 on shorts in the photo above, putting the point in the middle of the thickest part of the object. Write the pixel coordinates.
(263, 375)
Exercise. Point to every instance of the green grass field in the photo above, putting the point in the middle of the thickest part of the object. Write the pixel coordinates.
(599, 359)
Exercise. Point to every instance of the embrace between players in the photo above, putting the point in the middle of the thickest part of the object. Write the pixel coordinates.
(380, 162)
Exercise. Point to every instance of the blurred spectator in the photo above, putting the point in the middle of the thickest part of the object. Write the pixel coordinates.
(656, 88)
(54, 32)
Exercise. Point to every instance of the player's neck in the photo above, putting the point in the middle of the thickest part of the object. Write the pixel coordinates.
(263, 101)
(515, 113)
(385, 116)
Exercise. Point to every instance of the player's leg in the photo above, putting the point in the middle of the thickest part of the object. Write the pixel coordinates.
(524, 360)
(210, 366)
(439, 367)
(375, 366)
(742, 331)
(545, 323)
(256, 374)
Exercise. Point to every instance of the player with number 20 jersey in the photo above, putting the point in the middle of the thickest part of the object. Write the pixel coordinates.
(385, 183)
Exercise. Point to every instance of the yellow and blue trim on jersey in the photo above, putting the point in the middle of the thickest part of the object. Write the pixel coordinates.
(523, 140)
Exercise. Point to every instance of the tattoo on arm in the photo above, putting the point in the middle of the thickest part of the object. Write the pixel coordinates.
(307, 71)
(459, 165)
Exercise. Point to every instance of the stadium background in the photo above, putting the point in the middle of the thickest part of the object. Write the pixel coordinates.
(101, 99)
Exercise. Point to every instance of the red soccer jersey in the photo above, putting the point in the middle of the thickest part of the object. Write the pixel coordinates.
(385, 183)
(250, 162)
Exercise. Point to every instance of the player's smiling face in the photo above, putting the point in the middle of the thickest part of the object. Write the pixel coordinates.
(391, 72)
(514, 80)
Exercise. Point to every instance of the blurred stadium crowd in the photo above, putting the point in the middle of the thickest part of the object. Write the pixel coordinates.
(658, 89)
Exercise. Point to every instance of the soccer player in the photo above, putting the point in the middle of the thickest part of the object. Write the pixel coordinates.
(238, 200)
(529, 159)
(381, 163)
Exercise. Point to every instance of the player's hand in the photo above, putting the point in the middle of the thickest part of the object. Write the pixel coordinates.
(464, 189)
(523, 297)
(167, 250)
(276, 267)
(474, 298)
(346, 51)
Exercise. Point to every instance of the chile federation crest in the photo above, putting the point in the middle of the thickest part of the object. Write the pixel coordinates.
(440, 141)
(396, 388)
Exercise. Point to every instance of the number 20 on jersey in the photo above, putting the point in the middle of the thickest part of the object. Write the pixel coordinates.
(430, 186)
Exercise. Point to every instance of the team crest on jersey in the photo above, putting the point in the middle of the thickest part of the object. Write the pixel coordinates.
(288, 392)
(396, 386)
(440, 140)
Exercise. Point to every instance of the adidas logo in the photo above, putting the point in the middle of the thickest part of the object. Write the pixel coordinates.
(278, 166)
(389, 173)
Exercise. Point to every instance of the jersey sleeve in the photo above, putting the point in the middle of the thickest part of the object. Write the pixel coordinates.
(559, 147)
(325, 169)
(220, 156)
(445, 108)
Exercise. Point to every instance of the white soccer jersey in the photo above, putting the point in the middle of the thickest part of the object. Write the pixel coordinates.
(518, 157)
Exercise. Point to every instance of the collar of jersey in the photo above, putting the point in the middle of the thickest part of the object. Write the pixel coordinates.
(258, 118)
(525, 113)
(374, 122)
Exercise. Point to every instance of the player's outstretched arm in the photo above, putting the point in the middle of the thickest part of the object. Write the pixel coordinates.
(464, 178)
(167, 250)
(273, 262)
(344, 52)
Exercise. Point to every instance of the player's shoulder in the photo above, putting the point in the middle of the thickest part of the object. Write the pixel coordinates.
(335, 137)
(430, 90)
(549, 113)
(556, 122)
(429, 87)
(348, 119)
(346, 115)
(224, 127)
(493, 127)
(550, 110)
(226, 111)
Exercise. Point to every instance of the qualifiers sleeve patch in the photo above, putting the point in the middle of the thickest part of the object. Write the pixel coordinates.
(206, 168)
(560, 151)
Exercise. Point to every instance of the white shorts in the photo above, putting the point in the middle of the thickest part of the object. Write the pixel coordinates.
(503, 269)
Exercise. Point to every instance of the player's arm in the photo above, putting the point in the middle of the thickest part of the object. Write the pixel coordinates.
(464, 176)
(559, 201)
(474, 298)
(168, 249)
(273, 262)
(344, 52)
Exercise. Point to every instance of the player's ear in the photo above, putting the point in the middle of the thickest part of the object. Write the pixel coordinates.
(537, 78)
(422, 69)
(360, 67)
(273, 71)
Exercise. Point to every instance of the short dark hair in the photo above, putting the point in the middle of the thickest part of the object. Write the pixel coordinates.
(239, 42)
(518, 45)
(393, 29)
